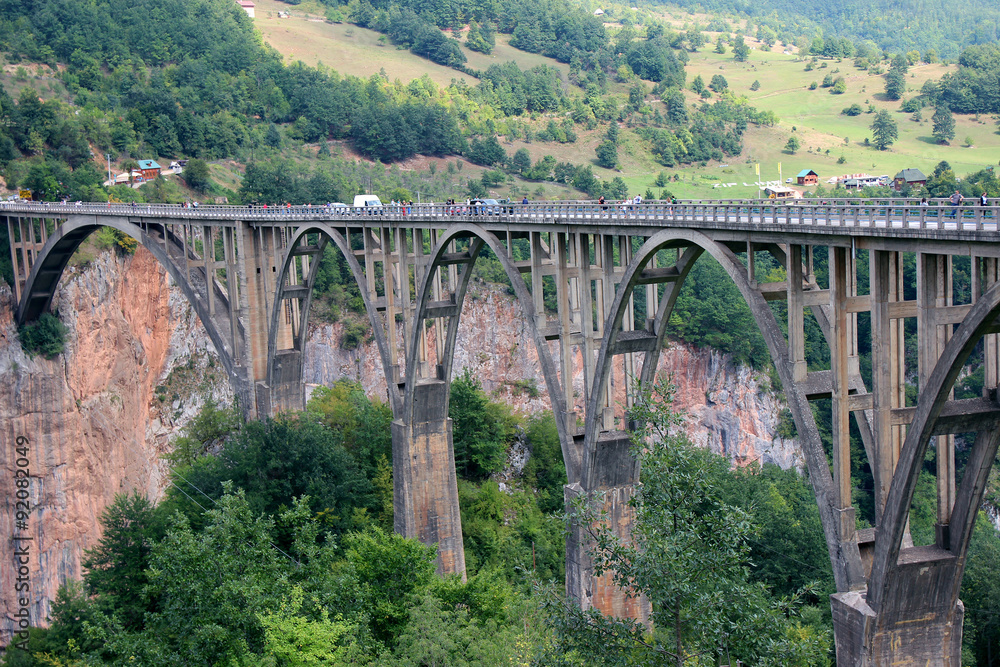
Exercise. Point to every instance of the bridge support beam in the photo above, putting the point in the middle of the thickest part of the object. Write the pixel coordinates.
(425, 487)
(618, 474)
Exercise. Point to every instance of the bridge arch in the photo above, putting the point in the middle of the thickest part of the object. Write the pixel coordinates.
(844, 553)
(479, 238)
(326, 233)
(50, 264)
(978, 322)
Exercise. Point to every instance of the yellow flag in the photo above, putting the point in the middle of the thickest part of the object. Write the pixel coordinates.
(756, 168)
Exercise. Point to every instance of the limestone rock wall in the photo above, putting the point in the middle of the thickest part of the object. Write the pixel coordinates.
(95, 422)
(730, 408)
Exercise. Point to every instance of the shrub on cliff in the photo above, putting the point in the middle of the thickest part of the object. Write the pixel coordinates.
(482, 429)
(45, 336)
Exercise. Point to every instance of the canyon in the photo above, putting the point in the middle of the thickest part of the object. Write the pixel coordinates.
(138, 366)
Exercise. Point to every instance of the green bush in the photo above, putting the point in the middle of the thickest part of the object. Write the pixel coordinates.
(109, 237)
(46, 336)
(482, 429)
(545, 470)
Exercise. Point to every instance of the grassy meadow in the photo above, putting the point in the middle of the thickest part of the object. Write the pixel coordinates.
(346, 48)
(813, 116)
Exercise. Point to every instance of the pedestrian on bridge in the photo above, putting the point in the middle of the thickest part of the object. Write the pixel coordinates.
(956, 201)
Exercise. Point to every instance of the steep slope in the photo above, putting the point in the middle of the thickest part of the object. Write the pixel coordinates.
(94, 425)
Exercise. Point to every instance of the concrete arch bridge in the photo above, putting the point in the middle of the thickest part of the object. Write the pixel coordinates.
(249, 273)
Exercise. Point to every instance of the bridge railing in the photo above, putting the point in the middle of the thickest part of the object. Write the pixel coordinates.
(846, 213)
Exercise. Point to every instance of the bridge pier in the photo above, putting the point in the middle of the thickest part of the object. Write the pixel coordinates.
(921, 624)
(425, 486)
(619, 474)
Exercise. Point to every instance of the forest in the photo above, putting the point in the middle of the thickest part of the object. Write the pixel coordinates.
(945, 27)
(278, 550)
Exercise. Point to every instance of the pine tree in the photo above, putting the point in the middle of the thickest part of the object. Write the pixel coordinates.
(884, 130)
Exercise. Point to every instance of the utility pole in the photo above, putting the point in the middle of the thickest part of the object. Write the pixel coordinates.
(111, 182)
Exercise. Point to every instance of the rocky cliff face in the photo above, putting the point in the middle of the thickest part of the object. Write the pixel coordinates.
(138, 366)
(93, 417)
(730, 408)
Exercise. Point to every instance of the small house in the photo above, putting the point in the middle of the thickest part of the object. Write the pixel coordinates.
(122, 178)
(912, 177)
(248, 7)
(149, 169)
(776, 192)
(807, 177)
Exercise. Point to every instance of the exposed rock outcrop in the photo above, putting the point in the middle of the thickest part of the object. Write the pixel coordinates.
(95, 422)
(730, 408)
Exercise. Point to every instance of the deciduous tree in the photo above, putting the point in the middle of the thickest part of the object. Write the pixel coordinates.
(944, 124)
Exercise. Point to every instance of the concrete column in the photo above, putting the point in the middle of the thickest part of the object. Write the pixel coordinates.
(897, 353)
(389, 283)
(591, 342)
(796, 318)
(425, 487)
(605, 290)
(565, 313)
(618, 473)
(888, 370)
(840, 352)
(13, 259)
(631, 375)
(986, 272)
(882, 378)
(934, 290)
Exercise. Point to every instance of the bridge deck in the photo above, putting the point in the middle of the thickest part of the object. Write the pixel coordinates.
(845, 221)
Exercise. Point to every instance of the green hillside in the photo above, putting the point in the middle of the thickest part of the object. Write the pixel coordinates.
(946, 27)
(783, 79)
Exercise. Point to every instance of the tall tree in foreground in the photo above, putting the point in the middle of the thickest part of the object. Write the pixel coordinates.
(689, 558)
(884, 130)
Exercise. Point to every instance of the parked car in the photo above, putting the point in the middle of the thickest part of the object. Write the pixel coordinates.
(484, 207)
